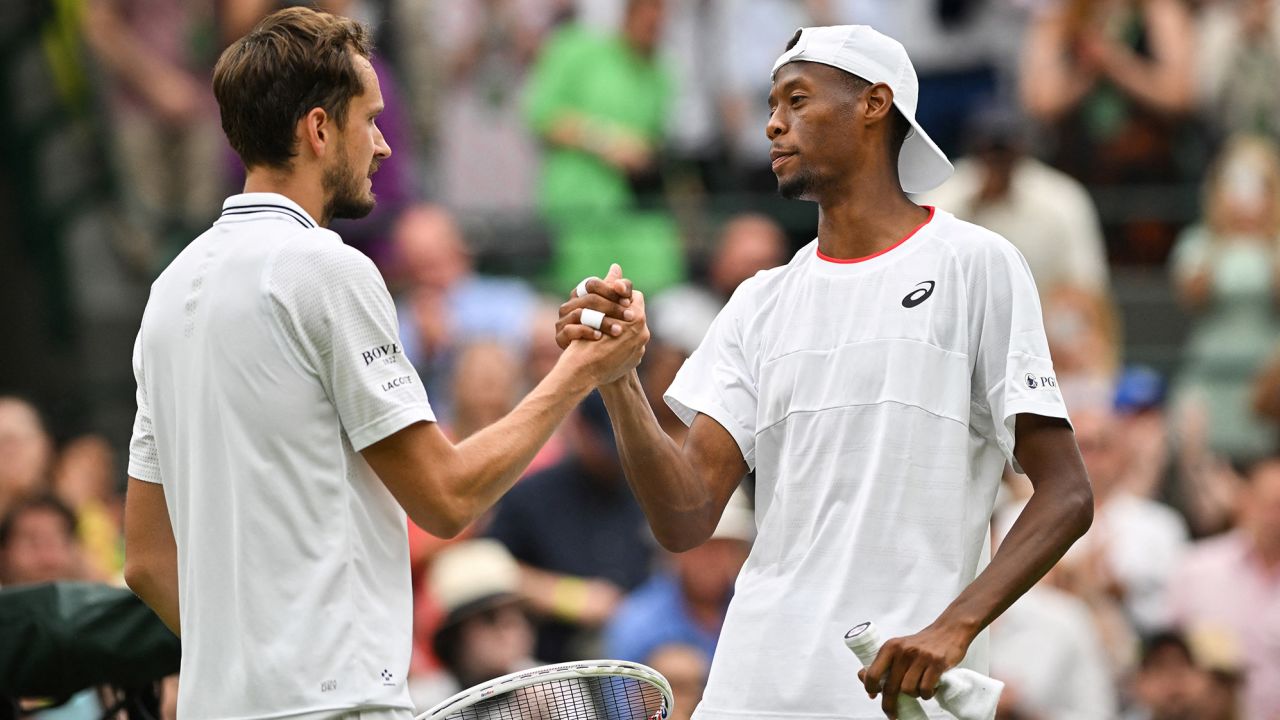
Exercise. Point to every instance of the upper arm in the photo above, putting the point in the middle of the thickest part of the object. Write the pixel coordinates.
(1046, 449)
(148, 534)
(411, 462)
(1012, 373)
(338, 319)
(716, 458)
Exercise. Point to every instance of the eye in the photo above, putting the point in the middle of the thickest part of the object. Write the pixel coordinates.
(797, 99)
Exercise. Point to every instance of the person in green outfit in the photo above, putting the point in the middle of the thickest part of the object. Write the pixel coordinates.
(599, 105)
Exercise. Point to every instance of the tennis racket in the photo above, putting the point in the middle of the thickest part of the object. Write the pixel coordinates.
(587, 690)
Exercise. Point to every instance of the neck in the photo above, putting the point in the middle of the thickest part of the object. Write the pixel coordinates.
(865, 218)
(307, 192)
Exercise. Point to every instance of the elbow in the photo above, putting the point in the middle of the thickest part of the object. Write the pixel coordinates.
(1081, 508)
(445, 519)
(681, 536)
(139, 575)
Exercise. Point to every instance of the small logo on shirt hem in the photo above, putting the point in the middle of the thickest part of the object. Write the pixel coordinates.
(919, 295)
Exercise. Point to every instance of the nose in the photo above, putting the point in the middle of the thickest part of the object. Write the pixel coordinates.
(776, 125)
(380, 147)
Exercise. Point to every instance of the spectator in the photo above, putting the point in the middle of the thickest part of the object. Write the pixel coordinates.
(1135, 543)
(1224, 271)
(38, 543)
(1115, 79)
(486, 157)
(579, 535)
(26, 451)
(445, 304)
(685, 667)
(486, 386)
(84, 477)
(1168, 684)
(1227, 589)
(157, 57)
(686, 604)
(599, 105)
(1239, 61)
(484, 633)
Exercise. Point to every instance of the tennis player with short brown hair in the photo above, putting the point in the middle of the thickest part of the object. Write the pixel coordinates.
(281, 434)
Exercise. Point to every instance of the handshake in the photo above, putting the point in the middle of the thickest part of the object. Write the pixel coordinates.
(610, 311)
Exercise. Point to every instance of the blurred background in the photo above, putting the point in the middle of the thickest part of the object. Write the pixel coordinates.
(1126, 147)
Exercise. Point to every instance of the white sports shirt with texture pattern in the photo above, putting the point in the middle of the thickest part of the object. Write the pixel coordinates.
(876, 401)
(268, 357)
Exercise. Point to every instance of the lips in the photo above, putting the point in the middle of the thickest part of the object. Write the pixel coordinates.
(780, 156)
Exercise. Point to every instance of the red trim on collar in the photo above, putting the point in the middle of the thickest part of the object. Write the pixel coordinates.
(847, 261)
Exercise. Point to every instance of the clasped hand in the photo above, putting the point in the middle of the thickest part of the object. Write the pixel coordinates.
(624, 328)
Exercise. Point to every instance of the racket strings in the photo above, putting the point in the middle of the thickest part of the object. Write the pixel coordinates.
(586, 698)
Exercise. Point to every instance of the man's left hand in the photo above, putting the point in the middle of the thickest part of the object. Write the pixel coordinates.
(913, 665)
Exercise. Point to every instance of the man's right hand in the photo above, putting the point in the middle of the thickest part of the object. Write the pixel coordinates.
(614, 356)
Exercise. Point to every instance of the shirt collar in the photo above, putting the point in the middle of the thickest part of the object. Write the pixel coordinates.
(267, 204)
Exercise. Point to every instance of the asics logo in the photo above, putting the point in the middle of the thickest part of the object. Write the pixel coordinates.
(919, 295)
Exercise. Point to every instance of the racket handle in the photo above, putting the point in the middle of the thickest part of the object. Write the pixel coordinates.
(966, 694)
(864, 641)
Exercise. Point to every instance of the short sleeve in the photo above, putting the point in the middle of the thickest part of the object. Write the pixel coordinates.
(336, 315)
(144, 460)
(718, 380)
(1013, 372)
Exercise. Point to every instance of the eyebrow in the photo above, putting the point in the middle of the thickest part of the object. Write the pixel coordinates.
(782, 87)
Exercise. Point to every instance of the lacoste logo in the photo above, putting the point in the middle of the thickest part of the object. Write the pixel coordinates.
(919, 295)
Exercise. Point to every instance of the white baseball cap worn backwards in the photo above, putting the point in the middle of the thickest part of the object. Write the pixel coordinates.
(859, 50)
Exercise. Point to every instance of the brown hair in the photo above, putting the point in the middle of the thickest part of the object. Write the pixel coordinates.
(294, 60)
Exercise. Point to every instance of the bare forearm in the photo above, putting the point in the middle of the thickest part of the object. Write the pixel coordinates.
(1052, 520)
(489, 462)
(681, 506)
(1158, 86)
(157, 586)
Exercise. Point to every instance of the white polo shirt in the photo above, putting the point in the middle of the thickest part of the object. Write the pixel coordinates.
(268, 357)
(876, 402)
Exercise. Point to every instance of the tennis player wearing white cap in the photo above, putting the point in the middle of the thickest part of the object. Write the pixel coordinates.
(877, 384)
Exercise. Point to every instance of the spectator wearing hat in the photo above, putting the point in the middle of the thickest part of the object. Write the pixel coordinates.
(579, 536)
(484, 633)
(1168, 684)
(686, 604)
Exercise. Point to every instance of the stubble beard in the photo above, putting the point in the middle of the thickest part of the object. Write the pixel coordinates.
(344, 191)
(797, 187)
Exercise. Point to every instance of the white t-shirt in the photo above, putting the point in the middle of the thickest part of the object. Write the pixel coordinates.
(268, 357)
(876, 402)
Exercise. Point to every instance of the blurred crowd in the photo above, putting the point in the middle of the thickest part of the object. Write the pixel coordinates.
(536, 141)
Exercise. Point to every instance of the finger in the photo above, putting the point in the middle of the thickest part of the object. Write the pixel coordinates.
(615, 272)
(575, 317)
(929, 681)
(577, 332)
(609, 289)
(873, 677)
(581, 289)
(911, 679)
(893, 685)
(599, 304)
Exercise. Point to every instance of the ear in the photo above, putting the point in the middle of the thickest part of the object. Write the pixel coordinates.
(879, 102)
(316, 131)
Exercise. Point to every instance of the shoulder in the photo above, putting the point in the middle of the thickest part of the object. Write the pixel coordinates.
(318, 255)
(972, 243)
(764, 285)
